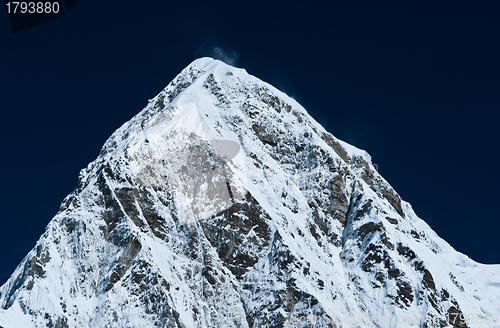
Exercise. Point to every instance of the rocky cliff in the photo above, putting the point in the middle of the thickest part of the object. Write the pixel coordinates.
(224, 204)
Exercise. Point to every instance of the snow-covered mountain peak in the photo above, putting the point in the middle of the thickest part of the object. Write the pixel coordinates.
(223, 203)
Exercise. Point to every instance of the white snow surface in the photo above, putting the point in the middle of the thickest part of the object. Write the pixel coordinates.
(223, 203)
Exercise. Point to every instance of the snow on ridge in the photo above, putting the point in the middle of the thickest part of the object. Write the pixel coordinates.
(224, 203)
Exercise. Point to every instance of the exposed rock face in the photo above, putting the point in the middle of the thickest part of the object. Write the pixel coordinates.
(224, 204)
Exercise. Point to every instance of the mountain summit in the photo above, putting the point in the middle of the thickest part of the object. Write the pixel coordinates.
(224, 204)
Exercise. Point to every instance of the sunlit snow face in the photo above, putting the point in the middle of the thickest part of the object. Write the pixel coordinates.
(204, 177)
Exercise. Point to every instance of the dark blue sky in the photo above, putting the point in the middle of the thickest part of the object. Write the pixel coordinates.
(416, 84)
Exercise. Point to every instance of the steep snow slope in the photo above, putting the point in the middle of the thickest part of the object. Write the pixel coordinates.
(224, 204)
